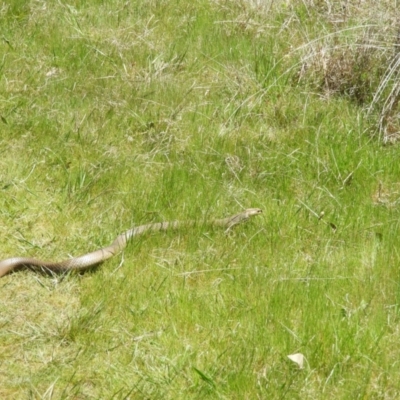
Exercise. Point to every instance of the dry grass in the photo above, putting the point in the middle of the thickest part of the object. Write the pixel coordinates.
(356, 57)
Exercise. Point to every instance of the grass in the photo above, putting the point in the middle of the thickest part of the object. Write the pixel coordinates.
(116, 114)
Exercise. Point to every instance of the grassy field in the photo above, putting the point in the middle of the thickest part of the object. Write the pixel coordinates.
(115, 114)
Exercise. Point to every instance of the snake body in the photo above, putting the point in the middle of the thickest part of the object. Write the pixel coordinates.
(86, 261)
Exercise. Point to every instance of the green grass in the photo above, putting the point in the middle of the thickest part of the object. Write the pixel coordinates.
(116, 114)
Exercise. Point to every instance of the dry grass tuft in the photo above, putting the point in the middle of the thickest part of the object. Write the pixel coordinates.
(344, 70)
(357, 57)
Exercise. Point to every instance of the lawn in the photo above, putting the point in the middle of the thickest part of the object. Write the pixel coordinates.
(116, 114)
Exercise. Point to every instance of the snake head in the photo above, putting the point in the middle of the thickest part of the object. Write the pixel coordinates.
(252, 211)
(241, 217)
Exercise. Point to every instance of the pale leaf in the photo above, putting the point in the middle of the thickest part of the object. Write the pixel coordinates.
(298, 358)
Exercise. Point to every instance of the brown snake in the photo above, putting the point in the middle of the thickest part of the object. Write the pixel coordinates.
(96, 257)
